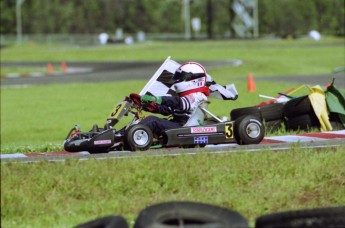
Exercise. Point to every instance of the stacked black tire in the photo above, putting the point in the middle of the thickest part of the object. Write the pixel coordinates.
(202, 215)
(296, 114)
(270, 114)
(189, 214)
(300, 115)
(327, 217)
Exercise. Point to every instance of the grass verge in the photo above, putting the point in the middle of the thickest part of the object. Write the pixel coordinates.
(65, 194)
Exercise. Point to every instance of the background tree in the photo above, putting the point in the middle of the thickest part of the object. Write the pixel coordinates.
(284, 18)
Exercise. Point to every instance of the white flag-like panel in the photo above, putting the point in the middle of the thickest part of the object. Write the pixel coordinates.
(162, 84)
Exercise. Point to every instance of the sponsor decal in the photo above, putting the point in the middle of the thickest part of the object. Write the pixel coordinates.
(209, 134)
(196, 130)
(201, 140)
(102, 142)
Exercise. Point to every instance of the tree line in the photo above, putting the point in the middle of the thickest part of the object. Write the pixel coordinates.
(276, 17)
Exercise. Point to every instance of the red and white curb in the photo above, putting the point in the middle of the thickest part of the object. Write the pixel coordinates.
(308, 137)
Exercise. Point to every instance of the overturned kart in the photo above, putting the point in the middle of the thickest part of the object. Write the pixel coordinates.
(203, 128)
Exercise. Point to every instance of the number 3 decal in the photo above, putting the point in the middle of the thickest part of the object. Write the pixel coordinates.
(229, 131)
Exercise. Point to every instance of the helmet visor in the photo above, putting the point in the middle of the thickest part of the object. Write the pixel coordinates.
(186, 76)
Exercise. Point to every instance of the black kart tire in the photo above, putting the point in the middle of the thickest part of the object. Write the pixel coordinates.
(308, 218)
(138, 137)
(303, 122)
(188, 214)
(273, 125)
(105, 222)
(298, 106)
(249, 130)
(267, 112)
(335, 121)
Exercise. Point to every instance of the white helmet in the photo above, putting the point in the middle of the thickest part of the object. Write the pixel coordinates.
(189, 76)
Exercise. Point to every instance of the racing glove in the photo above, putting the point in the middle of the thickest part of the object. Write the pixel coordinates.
(148, 98)
(151, 107)
(136, 98)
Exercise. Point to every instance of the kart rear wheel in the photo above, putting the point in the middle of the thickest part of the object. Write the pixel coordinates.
(138, 137)
(249, 130)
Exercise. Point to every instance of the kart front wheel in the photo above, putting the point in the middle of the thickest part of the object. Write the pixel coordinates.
(138, 137)
(249, 130)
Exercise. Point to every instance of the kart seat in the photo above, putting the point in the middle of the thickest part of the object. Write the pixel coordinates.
(198, 116)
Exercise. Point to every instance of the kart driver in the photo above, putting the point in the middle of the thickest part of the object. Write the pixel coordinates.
(190, 85)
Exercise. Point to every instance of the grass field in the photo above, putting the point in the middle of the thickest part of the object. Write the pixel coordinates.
(261, 57)
(64, 194)
(38, 116)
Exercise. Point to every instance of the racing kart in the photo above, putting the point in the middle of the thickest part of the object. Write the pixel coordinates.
(202, 129)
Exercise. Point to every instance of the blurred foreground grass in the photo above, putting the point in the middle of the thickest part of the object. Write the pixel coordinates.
(63, 194)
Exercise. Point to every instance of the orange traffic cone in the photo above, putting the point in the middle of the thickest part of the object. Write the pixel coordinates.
(64, 67)
(50, 68)
(251, 83)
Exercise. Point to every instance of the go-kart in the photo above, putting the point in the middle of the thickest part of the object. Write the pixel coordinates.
(202, 129)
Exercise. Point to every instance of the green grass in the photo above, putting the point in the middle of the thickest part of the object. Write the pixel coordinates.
(261, 57)
(39, 117)
(22, 70)
(64, 194)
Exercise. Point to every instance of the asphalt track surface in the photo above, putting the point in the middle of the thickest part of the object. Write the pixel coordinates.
(86, 72)
(170, 152)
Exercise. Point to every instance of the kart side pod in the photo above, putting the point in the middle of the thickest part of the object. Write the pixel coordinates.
(93, 143)
(244, 130)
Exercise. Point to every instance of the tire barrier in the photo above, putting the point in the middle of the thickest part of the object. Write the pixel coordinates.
(298, 106)
(110, 221)
(189, 214)
(335, 121)
(300, 114)
(270, 114)
(200, 215)
(296, 114)
(308, 218)
(302, 122)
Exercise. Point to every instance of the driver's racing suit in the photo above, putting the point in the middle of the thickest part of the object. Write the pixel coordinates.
(181, 109)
